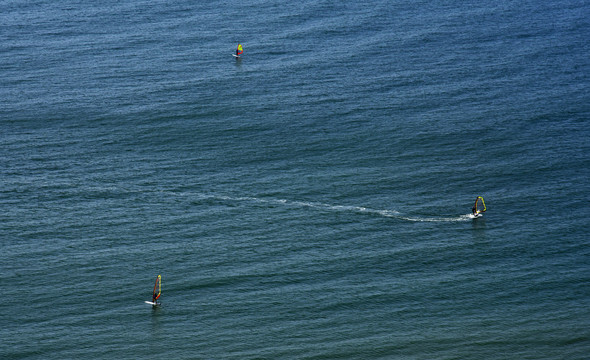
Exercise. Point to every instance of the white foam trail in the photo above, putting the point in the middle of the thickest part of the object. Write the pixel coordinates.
(327, 207)
(346, 208)
(435, 219)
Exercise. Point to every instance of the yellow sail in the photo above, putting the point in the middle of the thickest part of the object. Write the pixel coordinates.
(480, 205)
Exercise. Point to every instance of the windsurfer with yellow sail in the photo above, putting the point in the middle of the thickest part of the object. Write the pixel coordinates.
(479, 207)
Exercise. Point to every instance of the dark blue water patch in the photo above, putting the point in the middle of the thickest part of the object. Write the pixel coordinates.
(310, 200)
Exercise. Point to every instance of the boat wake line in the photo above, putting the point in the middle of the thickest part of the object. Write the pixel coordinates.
(394, 214)
(341, 208)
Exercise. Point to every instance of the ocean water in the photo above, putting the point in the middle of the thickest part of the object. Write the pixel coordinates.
(309, 201)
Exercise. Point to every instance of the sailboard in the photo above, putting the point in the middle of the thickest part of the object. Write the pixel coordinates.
(479, 207)
(157, 292)
(239, 51)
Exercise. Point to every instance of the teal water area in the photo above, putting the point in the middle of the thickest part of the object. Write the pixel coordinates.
(309, 201)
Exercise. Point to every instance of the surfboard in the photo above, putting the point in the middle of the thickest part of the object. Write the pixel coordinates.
(151, 303)
(236, 56)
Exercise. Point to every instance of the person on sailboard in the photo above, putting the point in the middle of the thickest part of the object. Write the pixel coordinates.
(473, 210)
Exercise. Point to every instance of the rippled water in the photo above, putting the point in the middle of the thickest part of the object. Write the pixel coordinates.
(310, 200)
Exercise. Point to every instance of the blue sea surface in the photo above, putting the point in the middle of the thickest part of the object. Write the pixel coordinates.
(310, 200)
